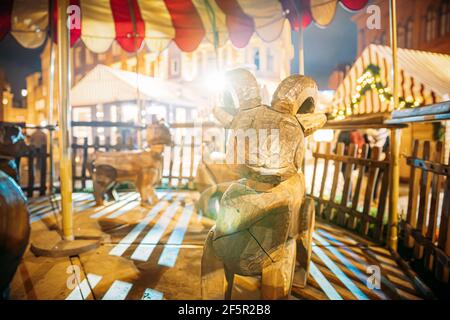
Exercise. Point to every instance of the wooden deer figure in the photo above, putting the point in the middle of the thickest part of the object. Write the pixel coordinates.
(141, 167)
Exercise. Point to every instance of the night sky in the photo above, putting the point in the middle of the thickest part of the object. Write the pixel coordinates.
(324, 49)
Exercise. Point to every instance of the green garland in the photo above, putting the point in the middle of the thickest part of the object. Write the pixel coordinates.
(371, 80)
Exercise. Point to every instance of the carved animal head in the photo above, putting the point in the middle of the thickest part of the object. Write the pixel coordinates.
(243, 89)
(296, 95)
(158, 134)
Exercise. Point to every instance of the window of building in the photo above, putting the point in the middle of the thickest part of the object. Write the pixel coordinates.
(256, 60)
(444, 18)
(430, 24)
(447, 20)
(115, 49)
(270, 60)
(383, 38)
(401, 42)
(175, 67)
(89, 56)
(211, 62)
(78, 58)
(409, 34)
(101, 57)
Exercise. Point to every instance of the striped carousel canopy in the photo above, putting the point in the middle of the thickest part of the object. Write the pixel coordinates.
(424, 79)
(158, 22)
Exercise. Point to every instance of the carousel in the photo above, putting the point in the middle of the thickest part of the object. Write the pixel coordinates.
(221, 209)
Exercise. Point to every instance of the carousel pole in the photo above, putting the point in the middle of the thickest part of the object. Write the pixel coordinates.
(51, 243)
(51, 79)
(65, 161)
(301, 57)
(394, 138)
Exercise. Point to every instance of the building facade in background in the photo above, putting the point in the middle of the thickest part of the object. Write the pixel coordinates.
(421, 25)
(270, 62)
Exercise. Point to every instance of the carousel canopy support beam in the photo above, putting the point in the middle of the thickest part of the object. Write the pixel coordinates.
(394, 169)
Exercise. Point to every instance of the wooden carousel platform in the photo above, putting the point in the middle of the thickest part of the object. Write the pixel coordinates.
(155, 253)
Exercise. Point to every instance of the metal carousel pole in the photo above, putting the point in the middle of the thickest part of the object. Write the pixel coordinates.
(301, 57)
(52, 243)
(50, 96)
(395, 135)
(65, 161)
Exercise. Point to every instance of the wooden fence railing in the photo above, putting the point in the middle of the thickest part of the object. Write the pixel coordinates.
(180, 159)
(36, 160)
(350, 188)
(426, 229)
(179, 164)
(82, 152)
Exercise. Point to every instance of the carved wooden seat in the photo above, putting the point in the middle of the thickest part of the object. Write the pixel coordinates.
(260, 216)
(142, 167)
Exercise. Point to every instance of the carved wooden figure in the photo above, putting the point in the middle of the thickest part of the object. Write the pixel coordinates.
(263, 221)
(142, 167)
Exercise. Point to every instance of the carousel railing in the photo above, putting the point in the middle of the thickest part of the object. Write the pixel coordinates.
(82, 150)
(36, 161)
(426, 230)
(426, 227)
(350, 187)
(33, 163)
(180, 162)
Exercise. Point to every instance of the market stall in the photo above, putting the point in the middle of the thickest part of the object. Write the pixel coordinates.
(366, 91)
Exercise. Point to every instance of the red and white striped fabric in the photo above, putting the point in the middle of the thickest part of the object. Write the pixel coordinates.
(158, 22)
(415, 68)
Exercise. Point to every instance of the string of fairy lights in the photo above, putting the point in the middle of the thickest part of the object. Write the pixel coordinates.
(371, 80)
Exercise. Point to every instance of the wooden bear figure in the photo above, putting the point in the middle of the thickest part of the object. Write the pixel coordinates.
(141, 167)
(263, 217)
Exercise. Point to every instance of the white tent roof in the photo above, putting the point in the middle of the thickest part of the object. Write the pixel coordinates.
(104, 84)
(424, 75)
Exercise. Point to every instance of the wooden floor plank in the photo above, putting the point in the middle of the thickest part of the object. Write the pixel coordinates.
(339, 269)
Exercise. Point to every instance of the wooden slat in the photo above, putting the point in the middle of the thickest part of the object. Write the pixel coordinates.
(343, 158)
(313, 184)
(191, 168)
(84, 162)
(425, 182)
(107, 143)
(172, 152)
(42, 154)
(337, 170)
(382, 199)
(376, 152)
(324, 177)
(411, 215)
(352, 221)
(180, 173)
(436, 182)
(351, 152)
(442, 268)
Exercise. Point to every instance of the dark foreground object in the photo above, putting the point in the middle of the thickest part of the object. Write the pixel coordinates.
(14, 230)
